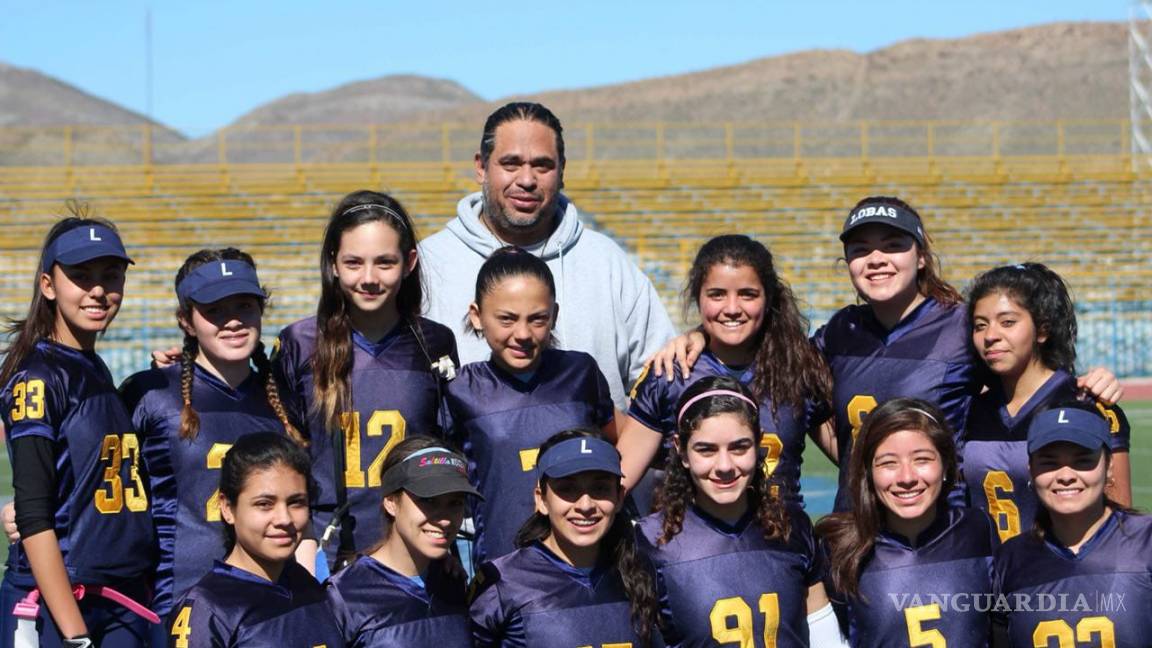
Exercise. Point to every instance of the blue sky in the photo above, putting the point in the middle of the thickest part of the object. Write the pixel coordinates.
(214, 60)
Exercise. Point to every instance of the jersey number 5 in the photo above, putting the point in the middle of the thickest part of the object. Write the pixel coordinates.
(735, 607)
(113, 495)
(918, 637)
(380, 419)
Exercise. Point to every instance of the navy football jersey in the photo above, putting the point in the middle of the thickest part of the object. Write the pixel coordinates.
(725, 585)
(994, 451)
(654, 405)
(232, 607)
(377, 607)
(184, 474)
(1101, 596)
(102, 517)
(394, 394)
(531, 598)
(934, 592)
(500, 421)
(927, 355)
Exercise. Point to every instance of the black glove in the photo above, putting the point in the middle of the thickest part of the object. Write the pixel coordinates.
(83, 641)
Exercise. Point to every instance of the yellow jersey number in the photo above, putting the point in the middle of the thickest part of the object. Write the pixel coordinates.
(857, 409)
(918, 637)
(113, 496)
(182, 627)
(215, 459)
(1101, 627)
(1002, 509)
(27, 400)
(379, 420)
(725, 610)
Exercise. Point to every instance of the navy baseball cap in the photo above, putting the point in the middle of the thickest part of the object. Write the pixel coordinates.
(216, 280)
(430, 472)
(885, 214)
(582, 454)
(84, 244)
(1069, 424)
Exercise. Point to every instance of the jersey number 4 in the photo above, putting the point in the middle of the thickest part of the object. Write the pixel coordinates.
(113, 495)
(353, 470)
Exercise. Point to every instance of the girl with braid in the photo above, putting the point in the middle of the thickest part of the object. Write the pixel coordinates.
(189, 414)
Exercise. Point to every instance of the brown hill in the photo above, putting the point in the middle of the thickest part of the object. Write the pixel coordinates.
(1054, 71)
(381, 100)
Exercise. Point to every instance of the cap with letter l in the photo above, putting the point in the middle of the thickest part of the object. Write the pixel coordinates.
(212, 281)
(885, 214)
(82, 244)
(1068, 424)
(581, 454)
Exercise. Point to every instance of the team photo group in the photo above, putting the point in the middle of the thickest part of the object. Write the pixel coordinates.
(493, 435)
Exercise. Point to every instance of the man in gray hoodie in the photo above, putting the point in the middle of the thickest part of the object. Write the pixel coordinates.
(608, 307)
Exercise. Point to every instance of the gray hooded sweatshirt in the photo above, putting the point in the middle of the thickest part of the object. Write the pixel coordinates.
(608, 307)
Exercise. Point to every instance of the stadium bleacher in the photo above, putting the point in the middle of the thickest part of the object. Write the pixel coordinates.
(1084, 214)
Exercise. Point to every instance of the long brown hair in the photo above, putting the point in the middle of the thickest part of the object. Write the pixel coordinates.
(189, 419)
(851, 535)
(618, 544)
(332, 361)
(40, 321)
(679, 490)
(929, 280)
(787, 369)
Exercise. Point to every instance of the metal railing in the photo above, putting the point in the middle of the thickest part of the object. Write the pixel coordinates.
(77, 145)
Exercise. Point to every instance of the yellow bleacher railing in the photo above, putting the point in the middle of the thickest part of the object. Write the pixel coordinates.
(454, 143)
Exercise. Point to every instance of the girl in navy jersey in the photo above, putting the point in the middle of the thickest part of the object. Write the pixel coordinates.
(1024, 328)
(404, 593)
(757, 335)
(1083, 575)
(367, 369)
(909, 569)
(81, 503)
(190, 413)
(258, 595)
(504, 408)
(577, 579)
(909, 337)
(735, 565)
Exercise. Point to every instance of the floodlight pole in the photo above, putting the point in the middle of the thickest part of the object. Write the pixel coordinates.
(1140, 82)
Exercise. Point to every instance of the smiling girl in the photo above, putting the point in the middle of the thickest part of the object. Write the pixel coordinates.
(504, 408)
(901, 549)
(258, 595)
(81, 504)
(1024, 328)
(190, 413)
(367, 369)
(908, 337)
(403, 592)
(733, 563)
(1088, 555)
(576, 578)
(757, 335)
